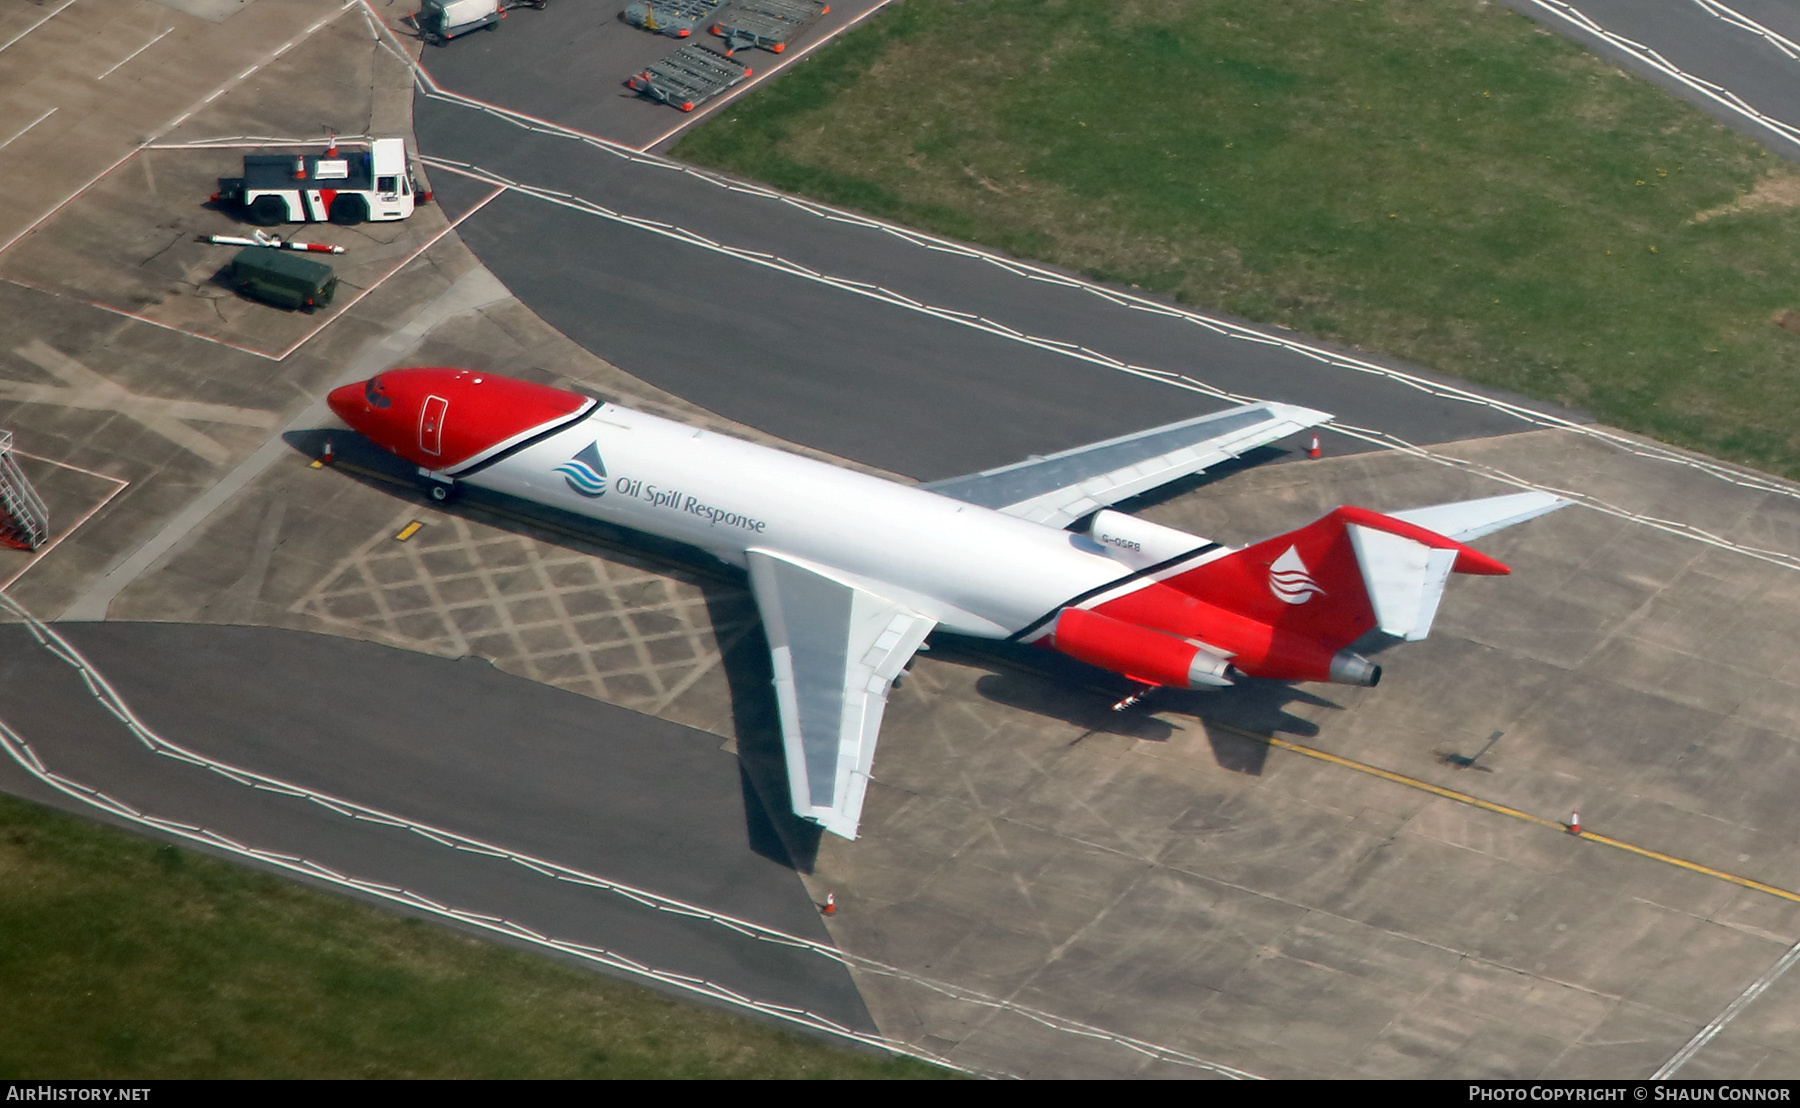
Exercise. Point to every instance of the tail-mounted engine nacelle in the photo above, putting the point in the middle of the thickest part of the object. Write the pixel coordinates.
(1161, 658)
(1137, 652)
(1139, 543)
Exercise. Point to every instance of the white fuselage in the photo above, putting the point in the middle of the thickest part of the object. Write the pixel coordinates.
(973, 570)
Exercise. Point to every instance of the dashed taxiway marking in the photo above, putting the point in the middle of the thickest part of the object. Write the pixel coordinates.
(133, 54)
(165, 128)
(27, 127)
(35, 26)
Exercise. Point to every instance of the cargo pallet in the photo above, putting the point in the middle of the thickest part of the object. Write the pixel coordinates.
(770, 24)
(689, 77)
(675, 18)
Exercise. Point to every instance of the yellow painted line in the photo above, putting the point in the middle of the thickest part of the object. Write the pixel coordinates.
(408, 531)
(1280, 744)
(1505, 810)
(1694, 866)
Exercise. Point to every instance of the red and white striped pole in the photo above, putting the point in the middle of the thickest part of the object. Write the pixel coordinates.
(273, 242)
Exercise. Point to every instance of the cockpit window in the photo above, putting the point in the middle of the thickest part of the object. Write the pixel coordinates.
(376, 393)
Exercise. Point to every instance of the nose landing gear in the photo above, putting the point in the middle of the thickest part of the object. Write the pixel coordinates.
(439, 488)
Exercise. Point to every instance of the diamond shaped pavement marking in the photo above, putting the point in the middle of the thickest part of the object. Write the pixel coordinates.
(566, 617)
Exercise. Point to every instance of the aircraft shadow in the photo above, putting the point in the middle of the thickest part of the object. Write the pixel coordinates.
(1046, 683)
(774, 831)
(1029, 678)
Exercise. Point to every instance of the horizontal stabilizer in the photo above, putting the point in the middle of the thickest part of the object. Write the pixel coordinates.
(1467, 520)
(1404, 579)
(1058, 489)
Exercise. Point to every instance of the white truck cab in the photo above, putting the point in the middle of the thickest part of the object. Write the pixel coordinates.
(345, 188)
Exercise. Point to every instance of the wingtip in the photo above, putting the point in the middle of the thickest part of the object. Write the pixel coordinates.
(1305, 417)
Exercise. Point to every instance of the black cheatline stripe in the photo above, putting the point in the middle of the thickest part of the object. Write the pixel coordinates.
(533, 440)
(1020, 634)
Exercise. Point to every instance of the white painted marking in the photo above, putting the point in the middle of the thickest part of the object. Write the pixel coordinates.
(216, 93)
(116, 705)
(249, 71)
(27, 127)
(1744, 23)
(1645, 55)
(132, 55)
(36, 25)
(1706, 1034)
(1652, 451)
(1191, 384)
(7, 245)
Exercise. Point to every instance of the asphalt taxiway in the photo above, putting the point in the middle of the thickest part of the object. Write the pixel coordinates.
(1274, 881)
(433, 743)
(869, 345)
(1738, 61)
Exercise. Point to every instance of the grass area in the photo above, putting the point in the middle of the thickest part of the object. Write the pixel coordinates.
(120, 958)
(1440, 180)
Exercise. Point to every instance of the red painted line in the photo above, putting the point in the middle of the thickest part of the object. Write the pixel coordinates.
(43, 552)
(429, 243)
(4, 247)
(165, 326)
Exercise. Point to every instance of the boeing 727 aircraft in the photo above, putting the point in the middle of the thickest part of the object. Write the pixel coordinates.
(851, 572)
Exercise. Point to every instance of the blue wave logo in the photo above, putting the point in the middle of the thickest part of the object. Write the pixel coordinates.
(585, 472)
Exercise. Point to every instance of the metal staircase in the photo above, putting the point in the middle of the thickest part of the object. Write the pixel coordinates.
(24, 521)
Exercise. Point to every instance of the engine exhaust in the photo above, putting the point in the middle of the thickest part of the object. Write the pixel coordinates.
(1348, 668)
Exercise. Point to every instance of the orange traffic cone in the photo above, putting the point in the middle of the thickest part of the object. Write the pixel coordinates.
(1313, 451)
(829, 908)
(1574, 823)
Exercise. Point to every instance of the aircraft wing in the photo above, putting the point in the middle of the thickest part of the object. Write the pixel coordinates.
(837, 649)
(1060, 488)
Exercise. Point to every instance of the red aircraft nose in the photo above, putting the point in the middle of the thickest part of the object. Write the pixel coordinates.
(445, 419)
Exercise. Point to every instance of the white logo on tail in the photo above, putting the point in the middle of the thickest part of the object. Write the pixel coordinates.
(1290, 581)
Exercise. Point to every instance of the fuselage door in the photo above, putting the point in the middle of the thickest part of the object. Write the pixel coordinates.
(431, 425)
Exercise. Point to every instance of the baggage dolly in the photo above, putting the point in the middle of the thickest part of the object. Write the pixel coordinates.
(689, 77)
(675, 18)
(770, 24)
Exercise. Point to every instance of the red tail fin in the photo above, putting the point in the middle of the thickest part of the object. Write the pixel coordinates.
(1336, 578)
(1305, 582)
(1288, 607)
